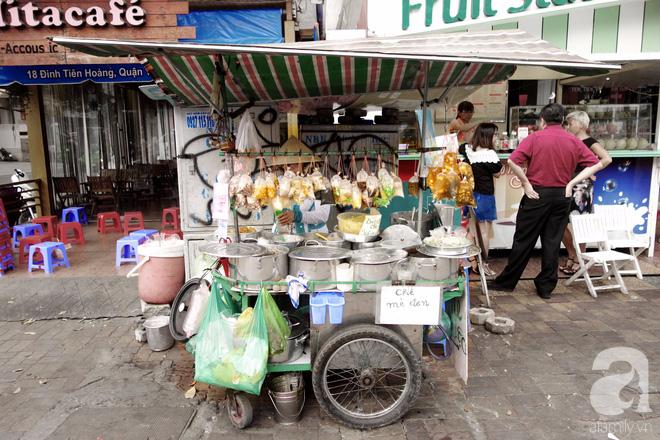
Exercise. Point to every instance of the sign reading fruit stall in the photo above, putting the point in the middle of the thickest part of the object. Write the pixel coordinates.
(26, 25)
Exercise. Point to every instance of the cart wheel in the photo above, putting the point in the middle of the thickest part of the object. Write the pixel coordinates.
(180, 309)
(239, 409)
(366, 376)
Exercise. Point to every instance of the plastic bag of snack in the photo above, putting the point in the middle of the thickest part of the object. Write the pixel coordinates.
(450, 162)
(454, 180)
(307, 188)
(386, 183)
(441, 187)
(260, 193)
(317, 180)
(367, 200)
(413, 185)
(373, 185)
(345, 193)
(398, 187)
(357, 196)
(335, 182)
(285, 183)
(432, 175)
(466, 172)
(464, 194)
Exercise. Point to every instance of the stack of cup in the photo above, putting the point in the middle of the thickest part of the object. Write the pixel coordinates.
(344, 277)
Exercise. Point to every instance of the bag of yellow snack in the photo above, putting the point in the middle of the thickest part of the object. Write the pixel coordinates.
(441, 188)
(464, 194)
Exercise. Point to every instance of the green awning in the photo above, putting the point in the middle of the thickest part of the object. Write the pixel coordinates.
(337, 68)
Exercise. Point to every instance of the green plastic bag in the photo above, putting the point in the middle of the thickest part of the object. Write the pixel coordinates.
(278, 327)
(231, 350)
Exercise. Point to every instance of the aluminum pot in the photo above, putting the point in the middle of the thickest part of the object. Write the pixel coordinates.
(295, 344)
(291, 241)
(376, 264)
(273, 266)
(367, 245)
(332, 240)
(317, 263)
(434, 268)
(405, 218)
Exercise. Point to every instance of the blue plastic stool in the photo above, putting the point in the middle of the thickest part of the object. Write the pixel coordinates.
(127, 250)
(74, 214)
(25, 231)
(49, 261)
(143, 234)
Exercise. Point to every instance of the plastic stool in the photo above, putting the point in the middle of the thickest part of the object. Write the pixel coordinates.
(143, 234)
(23, 231)
(49, 261)
(48, 222)
(130, 219)
(103, 217)
(127, 250)
(171, 223)
(74, 214)
(28, 242)
(63, 230)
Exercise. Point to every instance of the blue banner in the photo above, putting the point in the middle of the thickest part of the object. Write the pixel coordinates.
(244, 26)
(73, 74)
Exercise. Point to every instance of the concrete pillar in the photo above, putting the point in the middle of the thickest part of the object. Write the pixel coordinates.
(37, 149)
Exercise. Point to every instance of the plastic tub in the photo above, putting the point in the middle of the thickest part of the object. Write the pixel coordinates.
(317, 309)
(335, 302)
(159, 337)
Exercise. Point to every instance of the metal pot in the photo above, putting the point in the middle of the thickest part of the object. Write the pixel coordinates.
(291, 241)
(376, 264)
(332, 240)
(317, 263)
(273, 266)
(405, 218)
(367, 244)
(295, 344)
(434, 268)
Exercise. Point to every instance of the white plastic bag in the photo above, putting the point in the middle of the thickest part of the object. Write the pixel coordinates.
(198, 302)
(247, 139)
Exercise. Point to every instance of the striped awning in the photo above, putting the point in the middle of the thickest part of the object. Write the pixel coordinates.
(338, 68)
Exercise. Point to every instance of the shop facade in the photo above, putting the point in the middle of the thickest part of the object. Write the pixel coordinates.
(623, 105)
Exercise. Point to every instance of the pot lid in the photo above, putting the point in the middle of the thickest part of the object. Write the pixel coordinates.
(233, 250)
(321, 253)
(378, 256)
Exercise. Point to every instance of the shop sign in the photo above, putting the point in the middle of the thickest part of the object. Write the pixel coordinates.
(458, 310)
(117, 13)
(410, 305)
(73, 74)
(392, 17)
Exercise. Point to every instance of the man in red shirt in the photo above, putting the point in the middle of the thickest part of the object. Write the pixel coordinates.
(552, 155)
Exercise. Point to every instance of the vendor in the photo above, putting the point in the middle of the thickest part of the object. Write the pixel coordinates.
(462, 126)
(311, 215)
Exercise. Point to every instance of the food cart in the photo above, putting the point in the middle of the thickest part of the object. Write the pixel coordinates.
(373, 353)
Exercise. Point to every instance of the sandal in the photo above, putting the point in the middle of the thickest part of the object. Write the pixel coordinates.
(570, 267)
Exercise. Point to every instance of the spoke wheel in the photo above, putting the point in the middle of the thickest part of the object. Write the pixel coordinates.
(180, 308)
(367, 376)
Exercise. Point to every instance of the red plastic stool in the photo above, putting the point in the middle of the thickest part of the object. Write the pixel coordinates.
(48, 222)
(24, 246)
(129, 221)
(102, 220)
(63, 230)
(171, 223)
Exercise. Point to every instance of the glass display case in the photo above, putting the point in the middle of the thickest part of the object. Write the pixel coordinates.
(616, 126)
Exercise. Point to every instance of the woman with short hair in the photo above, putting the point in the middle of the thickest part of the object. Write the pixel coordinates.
(577, 123)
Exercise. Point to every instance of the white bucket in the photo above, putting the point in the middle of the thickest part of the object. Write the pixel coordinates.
(344, 272)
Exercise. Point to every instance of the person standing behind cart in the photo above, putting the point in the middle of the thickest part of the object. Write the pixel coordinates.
(486, 165)
(462, 126)
(577, 122)
(552, 155)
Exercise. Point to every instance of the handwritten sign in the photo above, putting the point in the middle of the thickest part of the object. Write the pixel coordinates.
(458, 310)
(410, 305)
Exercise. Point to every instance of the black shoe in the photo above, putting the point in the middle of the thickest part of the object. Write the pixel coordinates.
(492, 285)
(544, 295)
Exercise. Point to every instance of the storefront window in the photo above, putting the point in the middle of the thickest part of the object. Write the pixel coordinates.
(95, 127)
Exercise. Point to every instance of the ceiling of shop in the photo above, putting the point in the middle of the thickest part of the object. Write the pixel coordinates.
(631, 75)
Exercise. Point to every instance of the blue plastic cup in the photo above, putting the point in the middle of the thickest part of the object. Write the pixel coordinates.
(336, 301)
(317, 308)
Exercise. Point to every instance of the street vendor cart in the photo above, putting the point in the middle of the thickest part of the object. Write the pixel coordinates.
(365, 367)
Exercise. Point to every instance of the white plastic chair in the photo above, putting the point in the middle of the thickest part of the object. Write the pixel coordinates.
(589, 228)
(619, 225)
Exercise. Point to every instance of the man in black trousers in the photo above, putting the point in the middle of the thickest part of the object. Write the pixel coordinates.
(551, 155)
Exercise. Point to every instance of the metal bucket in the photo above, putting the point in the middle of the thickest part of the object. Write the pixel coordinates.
(287, 392)
(159, 337)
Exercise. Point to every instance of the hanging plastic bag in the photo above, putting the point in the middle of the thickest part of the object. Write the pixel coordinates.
(357, 197)
(413, 185)
(363, 174)
(277, 326)
(441, 188)
(247, 139)
(465, 170)
(464, 194)
(196, 309)
(232, 351)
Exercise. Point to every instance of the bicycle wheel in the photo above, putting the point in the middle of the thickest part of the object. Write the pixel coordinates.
(366, 376)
